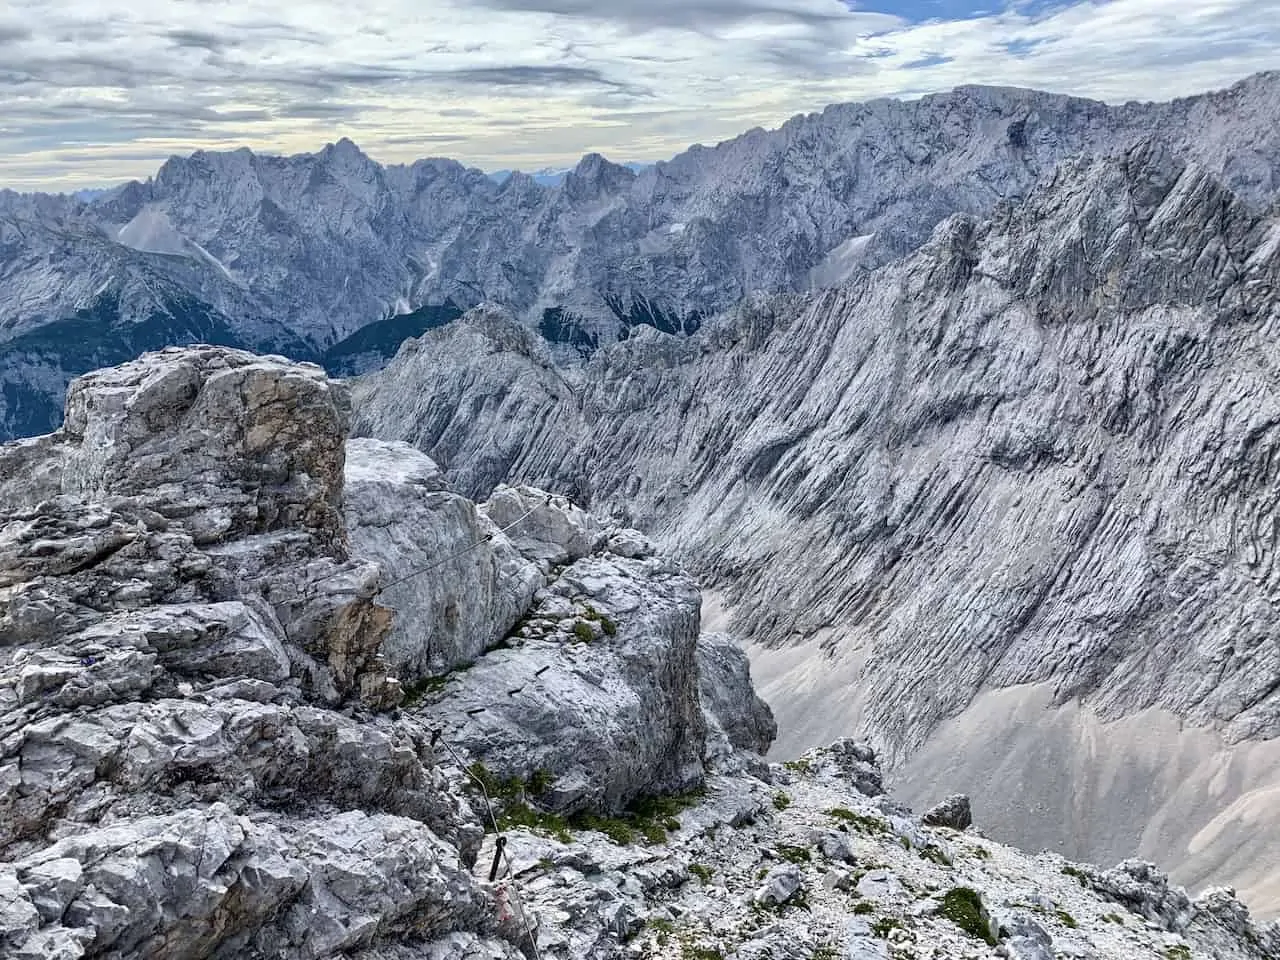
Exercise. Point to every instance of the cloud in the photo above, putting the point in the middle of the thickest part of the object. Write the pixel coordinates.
(96, 90)
(700, 14)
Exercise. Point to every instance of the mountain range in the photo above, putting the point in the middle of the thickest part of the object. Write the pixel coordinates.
(964, 409)
(334, 258)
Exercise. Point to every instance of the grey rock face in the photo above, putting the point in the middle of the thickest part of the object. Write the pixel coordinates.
(716, 886)
(188, 658)
(475, 587)
(953, 812)
(543, 528)
(737, 719)
(201, 753)
(1033, 451)
(199, 757)
(600, 688)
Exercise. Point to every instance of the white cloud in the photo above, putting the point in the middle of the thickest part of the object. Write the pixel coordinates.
(93, 91)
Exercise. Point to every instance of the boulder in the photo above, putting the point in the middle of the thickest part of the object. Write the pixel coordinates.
(599, 689)
(780, 885)
(543, 527)
(457, 586)
(737, 719)
(953, 812)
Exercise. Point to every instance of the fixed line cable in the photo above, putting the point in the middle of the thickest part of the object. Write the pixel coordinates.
(500, 852)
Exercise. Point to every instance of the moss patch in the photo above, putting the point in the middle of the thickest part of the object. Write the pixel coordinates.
(861, 821)
(963, 907)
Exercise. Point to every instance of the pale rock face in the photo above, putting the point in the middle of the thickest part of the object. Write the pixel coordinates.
(475, 585)
(748, 876)
(739, 723)
(200, 750)
(1034, 451)
(600, 688)
(546, 528)
(179, 620)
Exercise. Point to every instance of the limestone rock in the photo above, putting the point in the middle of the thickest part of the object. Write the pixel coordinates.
(600, 688)
(1030, 452)
(457, 586)
(780, 885)
(737, 720)
(188, 658)
(544, 527)
(953, 812)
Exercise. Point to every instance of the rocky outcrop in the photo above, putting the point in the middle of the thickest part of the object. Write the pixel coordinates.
(202, 754)
(204, 651)
(738, 722)
(599, 689)
(181, 623)
(456, 586)
(803, 866)
(954, 812)
(1032, 455)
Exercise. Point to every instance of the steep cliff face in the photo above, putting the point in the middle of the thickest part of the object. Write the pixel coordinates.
(1037, 453)
(333, 257)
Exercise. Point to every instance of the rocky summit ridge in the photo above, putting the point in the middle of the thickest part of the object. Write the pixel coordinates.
(230, 728)
(1006, 506)
(331, 256)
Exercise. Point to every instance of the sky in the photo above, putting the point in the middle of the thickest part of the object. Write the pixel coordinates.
(93, 92)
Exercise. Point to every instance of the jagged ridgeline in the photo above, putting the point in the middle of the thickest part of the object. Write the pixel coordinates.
(335, 258)
(1006, 506)
(270, 692)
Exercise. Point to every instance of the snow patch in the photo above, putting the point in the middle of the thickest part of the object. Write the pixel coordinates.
(151, 232)
(839, 264)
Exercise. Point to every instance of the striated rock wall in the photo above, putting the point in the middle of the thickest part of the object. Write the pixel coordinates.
(1039, 450)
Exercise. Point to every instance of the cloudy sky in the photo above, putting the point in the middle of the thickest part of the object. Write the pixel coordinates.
(95, 91)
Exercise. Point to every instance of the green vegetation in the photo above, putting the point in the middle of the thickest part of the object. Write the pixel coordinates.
(1113, 918)
(781, 801)
(798, 766)
(702, 872)
(648, 817)
(582, 632)
(607, 624)
(793, 854)
(540, 782)
(663, 930)
(864, 907)
(418, 690)
(963, 907)
(519, 814)
(1076, 872)
(1066, 919)
(863, 822)
(935, 855)
(695, 951)
(884, 926)
(1179, 951)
